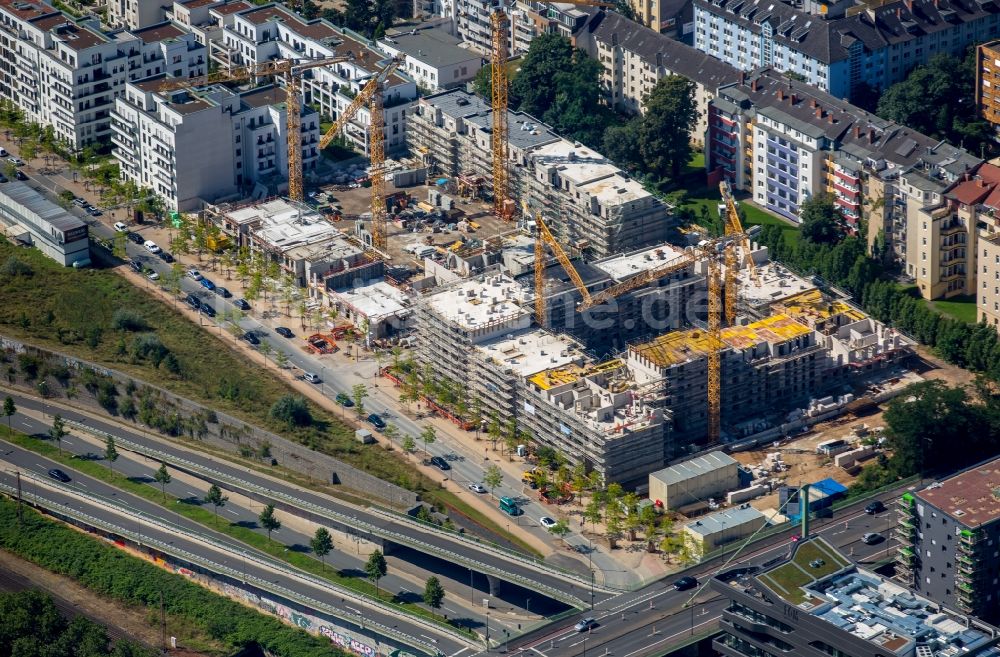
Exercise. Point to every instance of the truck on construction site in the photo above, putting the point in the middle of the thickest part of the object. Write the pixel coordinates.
(554, 494)
(318, 343)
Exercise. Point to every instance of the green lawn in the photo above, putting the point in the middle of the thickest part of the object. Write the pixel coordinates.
(788, 579)
(961, 308)
(758, 217)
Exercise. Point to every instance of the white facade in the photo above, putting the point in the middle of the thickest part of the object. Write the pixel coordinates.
(268, 32)
(135, 14)
(67, 74)
(433, 58)
(195, 146)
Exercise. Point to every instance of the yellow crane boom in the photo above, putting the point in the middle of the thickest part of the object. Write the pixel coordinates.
(735, 227)
(714, 353)
(543, 233)
(500, 137)
(364, 96)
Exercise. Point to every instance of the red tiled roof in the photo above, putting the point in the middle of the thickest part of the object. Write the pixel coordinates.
(971, 192)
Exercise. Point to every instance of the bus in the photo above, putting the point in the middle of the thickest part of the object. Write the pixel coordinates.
(509, 506)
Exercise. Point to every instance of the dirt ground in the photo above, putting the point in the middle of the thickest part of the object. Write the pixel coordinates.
(930, 366)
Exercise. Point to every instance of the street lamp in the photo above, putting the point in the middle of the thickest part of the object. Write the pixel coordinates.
(528, 606)
(487, 629)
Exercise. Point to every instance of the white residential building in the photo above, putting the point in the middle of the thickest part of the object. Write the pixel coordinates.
(197, 146)
(206, 18)
(66, 73)
(135, 14)
(432, 57)
(271, 31)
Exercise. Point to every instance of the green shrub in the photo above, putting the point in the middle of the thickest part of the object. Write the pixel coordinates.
(125, 319)
(292, 410)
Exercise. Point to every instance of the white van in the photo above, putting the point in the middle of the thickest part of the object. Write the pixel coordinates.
(151, 246)
(311, 378)
(120, 227)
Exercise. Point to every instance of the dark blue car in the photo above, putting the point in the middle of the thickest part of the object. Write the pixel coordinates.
(207, 284)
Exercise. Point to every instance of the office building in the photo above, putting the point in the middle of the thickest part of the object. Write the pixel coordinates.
(433, 58)
(948, 534)
(27, 217)
(197, 146)
(65, 73)
(816, 602)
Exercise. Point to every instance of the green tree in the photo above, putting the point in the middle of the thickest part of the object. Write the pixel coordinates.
(665, 131)
(268, 520)
(9, 409)
(376, 568)
(216, 499)
(281, 359)
(560, 529)
(58, 431)
(433, 593)
(110, 452)
(358, 392)
(493, 477)
(292, 410)
(593, 512)
(820, 219)
(428, 436)
(321, 544)
(408, 444)
(162, 477)
(391, 432)
(621, 143)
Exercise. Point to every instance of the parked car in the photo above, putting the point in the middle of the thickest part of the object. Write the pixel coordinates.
(136, 266)
(59, 475)
(438, 462)
(284, 332)
(20, 175)
(194, 274)
(3, 152)
(207, 310)
(313, 378)
(207, 284)
(150, 246)
(547, 522)
(82, 202)
(378, 422)
(165, 256)
(193, 301)
(585, 625)
(685, 584)
(120, 227)
(223, 292)
(874, 507)
(93, 212)
(135, 238)
(16, 161)
(871, 538)
(242, 304)
(251, 338)
(152, 275)
(3, 178)
(477, 488)
(344, 400)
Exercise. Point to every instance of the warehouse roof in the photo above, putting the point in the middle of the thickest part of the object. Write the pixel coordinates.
(692, 468)
(716, 523)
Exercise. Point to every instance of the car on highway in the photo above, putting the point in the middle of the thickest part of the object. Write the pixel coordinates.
(344, 400)
(193, 301)
(547, 522)
(875, 507)
(585, 624)
(59, 475)
(251, 338)
(119, 227)
(151, 246)
(377, 422)
(242, 304)
(207, 284)
(284, 332)
(165, 256)
(194, 274)
(685, 583)
(477, 488)
(872, 538)
(223, 292)
(207, 310)
(136, 266)
(440, 463)
(135, 238)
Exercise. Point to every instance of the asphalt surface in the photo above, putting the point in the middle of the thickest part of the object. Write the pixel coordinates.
(231, 557)
(419, 535)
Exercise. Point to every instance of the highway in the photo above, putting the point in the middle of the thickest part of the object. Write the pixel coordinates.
(154, 524)
(451, 548)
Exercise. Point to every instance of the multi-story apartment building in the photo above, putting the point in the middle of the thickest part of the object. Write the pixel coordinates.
(817, 603)
(588, 203)
(988, 82)
(200, 146)
(66, 73)
(529, 18)
(206, 19)
(272, 31)
(634, 58)
(668, 17)
(837, 47)
(948, 535)
(135, 14)
(433, 57)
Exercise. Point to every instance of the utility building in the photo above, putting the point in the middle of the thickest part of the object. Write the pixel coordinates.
(694, 480)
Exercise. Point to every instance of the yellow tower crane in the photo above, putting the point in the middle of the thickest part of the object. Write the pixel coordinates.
(503, 208)
(291, 70)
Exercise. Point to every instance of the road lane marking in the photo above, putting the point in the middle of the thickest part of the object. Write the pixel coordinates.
(455, 654)
(232, 512)
(672, 636)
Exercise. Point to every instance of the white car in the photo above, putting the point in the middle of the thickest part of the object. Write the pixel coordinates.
(3, 152)
(547, 522)
(16, 161)
(120, 227)
(195, 274)
(151, 246)
(153, 276)
(477, 488)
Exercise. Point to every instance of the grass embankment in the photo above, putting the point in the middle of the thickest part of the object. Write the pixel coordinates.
(962, 308)
(74, 311)
(209, 519)
(201, 620)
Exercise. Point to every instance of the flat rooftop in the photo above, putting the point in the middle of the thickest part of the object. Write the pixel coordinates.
(971, 498)
(376, 300)
(26, 10)
(160, 32)
(822, 582)
(679, 347)
(693, 468)
(811, 306)
(616, 190)
(263, 96)
(284, 225)
(776, 283)
(716, 523)
(231, 7)
(431, 46)
(478, 303)
(531, 351)
(577, 164)
(628, 265)
(559, 376)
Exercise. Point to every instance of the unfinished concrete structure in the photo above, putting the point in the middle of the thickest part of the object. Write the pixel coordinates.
(588, 202)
